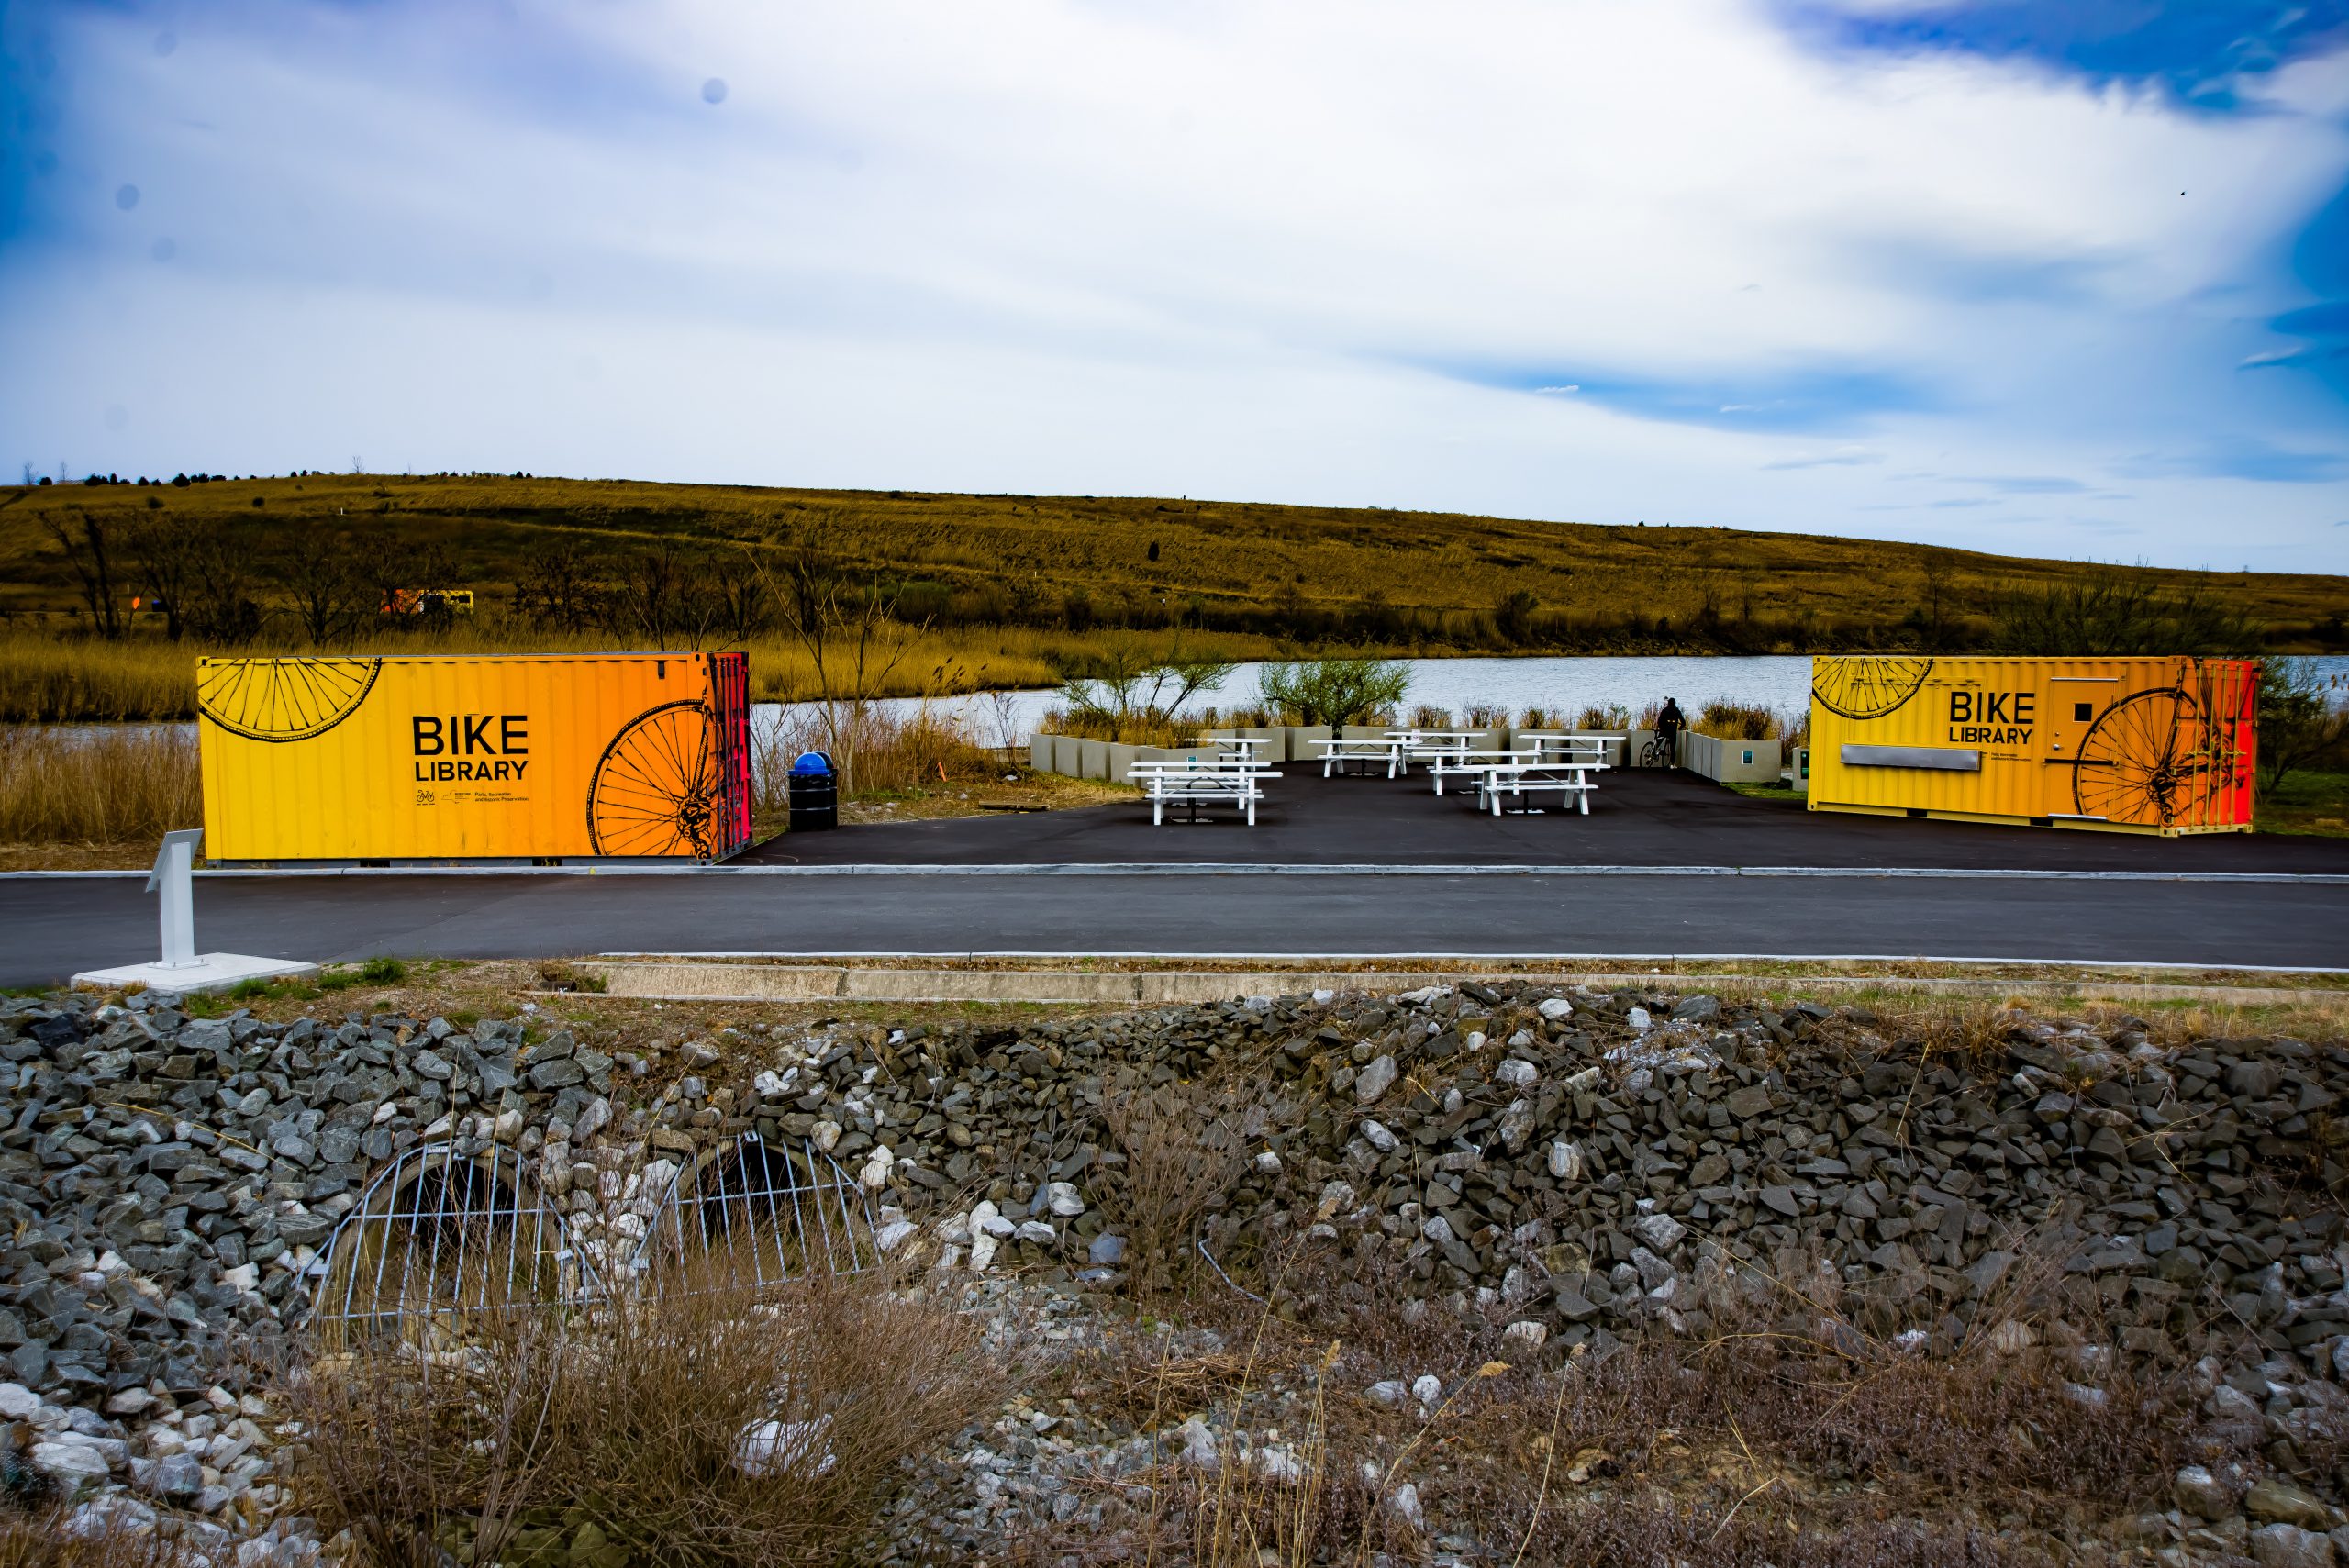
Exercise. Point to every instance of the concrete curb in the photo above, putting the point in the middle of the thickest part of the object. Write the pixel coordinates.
(717, 981)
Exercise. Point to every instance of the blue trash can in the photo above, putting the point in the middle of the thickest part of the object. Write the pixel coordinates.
(814, 793)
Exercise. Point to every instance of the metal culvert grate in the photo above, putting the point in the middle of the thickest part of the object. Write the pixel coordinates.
(445, 1233)
(758, 1214)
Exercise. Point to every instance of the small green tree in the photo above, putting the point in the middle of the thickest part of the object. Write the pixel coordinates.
(1130, 687)
(2302, 719)
(1333, 692)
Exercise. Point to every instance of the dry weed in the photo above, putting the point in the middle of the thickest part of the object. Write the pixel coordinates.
(1185, 1148)
(96, 786)
(703, 1427)
(50, 1539)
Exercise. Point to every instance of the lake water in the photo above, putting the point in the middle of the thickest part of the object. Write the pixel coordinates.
(1780, 682)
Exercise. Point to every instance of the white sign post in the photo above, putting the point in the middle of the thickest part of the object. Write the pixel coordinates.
(180, 968)
(175, 878)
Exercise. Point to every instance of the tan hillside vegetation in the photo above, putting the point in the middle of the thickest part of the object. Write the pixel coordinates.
(1005, 589)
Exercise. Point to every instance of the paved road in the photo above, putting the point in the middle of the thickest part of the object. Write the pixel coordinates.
(49, 928)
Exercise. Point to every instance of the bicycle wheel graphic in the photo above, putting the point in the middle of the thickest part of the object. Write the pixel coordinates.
(2149, 759)
(656, 787)
(283, 699)
(1867, 687)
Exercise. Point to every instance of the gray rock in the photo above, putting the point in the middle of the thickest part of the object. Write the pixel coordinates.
(1377, 1077)
(2275, 1498)
(2290, 1546)
(1660, 1231)
(2197, 1492)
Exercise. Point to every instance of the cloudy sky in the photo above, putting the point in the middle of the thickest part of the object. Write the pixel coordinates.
(2061, 277)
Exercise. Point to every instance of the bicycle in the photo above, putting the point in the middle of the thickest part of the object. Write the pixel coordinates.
(1660, 752)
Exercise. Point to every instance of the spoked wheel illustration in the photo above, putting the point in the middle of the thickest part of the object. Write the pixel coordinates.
(656, 788)
(283, 699)
(1869, 688)
(2149, 759)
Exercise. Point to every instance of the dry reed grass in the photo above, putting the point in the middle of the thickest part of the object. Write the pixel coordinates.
(48, 1538)
(708, 1427)
(1186, 1148)
(96, 786)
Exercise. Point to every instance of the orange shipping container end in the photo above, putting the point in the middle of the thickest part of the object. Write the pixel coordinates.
(521, 758)
(2148, 745)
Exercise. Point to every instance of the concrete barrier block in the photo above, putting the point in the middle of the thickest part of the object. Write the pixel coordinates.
(1119, 758)
(1039, 754)
(1093, 759)
(1064, 749)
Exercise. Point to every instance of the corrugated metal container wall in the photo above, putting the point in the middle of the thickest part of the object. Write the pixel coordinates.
(529, 757)
(2159, 745)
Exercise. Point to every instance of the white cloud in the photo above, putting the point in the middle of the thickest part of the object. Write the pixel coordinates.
(1220, 248)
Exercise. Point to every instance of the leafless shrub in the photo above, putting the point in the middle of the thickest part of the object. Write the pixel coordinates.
(1186, 1148)
(703, 1427)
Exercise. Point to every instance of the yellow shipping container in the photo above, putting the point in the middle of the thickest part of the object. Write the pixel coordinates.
(2147, 745)
(529, 757)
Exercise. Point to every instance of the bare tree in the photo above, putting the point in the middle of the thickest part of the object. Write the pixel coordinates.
(89, 550)
(322, 575)
(559, 585)
(845, 622)
(223, 599)
(162, 556)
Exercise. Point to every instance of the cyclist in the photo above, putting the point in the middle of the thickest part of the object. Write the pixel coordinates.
(1669, 722)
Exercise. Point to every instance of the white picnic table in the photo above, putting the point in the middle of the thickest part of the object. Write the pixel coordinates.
(1522, 774)
(1387, 751)
(1238, 779)
(1570, 745)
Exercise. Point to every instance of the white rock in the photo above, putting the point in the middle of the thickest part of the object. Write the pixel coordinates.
(1375, 1133)
(1436, 1228)
(1199, 1445)
(1565, 1161)
(245, 1278)
(876, 1175)
(1036, 1232)
(1475, 1041)
(17, 1401)
(1427, 1388)
(768, 1447)
(769, 1085)
(1375, 1079)
(988, 1221)
(1584, 1081)
(826, 1134)
(1335, 1196)
(1268, 1163)
(2080, 1393)
(1406, 1504)
(1516, 1074)
(1389, 1393)
(1911, 1341)
(1556, 1007)
(982, 1248)
(893, 1234)
(1061, 1199)
(2011, 1338)
(1525, 1335)
(71, 1460)
(129, 1402)
(1637, 1018)
(1279, 1464)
